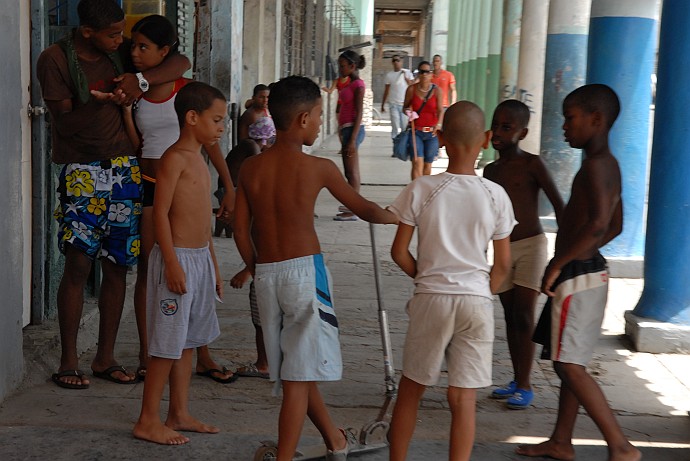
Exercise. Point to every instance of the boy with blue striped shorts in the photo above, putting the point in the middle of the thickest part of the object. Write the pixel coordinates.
(274, 233)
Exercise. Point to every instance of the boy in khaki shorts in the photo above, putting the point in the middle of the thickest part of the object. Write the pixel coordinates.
(522, 175)
(451, 312)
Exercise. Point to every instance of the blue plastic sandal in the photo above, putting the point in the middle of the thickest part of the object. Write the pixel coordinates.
(521, 399)
(504, 392)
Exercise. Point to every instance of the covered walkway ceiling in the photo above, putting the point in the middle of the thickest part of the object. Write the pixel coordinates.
(398, 23)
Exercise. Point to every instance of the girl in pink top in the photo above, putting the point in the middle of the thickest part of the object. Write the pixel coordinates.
(351, 130)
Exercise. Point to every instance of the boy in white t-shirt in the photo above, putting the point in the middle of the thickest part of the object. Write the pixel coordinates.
(397, 81)
(457, 214)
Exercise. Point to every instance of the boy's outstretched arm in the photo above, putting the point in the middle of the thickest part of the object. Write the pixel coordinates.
(545, 181)
(242, 227)
(502, 262)
(168, 174)
(341, 190)
(400, 250)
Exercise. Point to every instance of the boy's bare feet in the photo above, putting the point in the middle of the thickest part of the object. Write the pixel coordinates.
(550, 449)
(157, 432)
(190, 424)
(627, 453)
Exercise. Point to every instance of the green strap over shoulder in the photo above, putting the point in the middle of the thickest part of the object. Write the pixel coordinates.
(76, 73)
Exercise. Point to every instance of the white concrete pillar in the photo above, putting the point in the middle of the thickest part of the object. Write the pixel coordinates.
(510, 48)
(439, 29)
(530, 87)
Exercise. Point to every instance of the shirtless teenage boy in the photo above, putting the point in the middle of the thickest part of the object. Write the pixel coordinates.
(576, 279)
(522, 175)
(274, 233)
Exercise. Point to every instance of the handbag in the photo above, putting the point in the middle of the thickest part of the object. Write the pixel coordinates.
(401, 142)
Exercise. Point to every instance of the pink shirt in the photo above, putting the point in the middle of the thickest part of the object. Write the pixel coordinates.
(348, 112)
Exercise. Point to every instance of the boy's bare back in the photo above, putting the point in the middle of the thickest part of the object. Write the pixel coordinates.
(190, 202)
(281, 188)
(277, 190)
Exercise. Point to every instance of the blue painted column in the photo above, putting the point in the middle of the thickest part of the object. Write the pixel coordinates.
(622, 43)
(565, 69)
(666, 295)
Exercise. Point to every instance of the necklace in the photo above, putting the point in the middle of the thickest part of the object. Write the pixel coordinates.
(422, 90)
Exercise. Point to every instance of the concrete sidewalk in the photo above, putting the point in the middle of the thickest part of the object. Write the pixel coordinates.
(649, 393)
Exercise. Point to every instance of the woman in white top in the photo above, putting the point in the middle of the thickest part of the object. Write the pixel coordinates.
(152, 126)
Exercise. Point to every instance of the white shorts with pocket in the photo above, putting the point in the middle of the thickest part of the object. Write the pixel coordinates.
(298, 320)
(459, 328)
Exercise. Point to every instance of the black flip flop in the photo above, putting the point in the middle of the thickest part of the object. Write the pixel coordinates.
(107, 374)
(61, 374)
(209, 374)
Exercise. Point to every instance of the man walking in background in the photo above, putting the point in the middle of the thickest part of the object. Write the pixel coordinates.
(397, 81)
(444, 80)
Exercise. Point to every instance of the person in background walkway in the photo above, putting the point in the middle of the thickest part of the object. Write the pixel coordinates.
(397, 82)
(423, 100)
(350, 125)
(456, 214)
(576, 279)
(256, 122)
(338, 84)
(99, 187)
(522, 175)
(445, 80)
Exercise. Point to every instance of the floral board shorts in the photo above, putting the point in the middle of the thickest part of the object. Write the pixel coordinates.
(99, 209)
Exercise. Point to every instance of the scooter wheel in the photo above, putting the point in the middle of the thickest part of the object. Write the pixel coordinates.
(268, 451)
(374, 432)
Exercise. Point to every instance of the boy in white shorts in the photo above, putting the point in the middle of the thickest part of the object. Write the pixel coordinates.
(183, 277)
(457, 214)
(576, 279)
(522, 175)
(274, 233)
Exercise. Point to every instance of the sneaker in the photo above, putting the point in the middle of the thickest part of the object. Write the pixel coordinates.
(505, 391)
(341, 455)
(343, 209)
(346, 217)
(521, 399)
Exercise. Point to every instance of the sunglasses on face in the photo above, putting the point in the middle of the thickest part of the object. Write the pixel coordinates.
(396, 60)
(423, 71)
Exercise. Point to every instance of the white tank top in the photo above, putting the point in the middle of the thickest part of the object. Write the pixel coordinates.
(157, 123)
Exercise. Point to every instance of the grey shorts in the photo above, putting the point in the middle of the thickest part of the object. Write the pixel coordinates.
(176, 322)
(298, 320)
